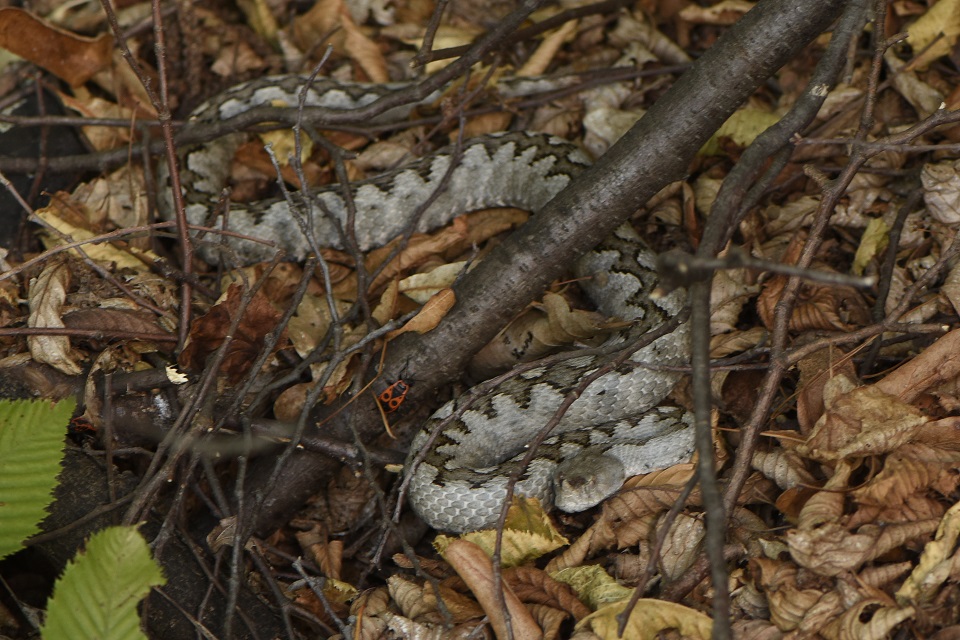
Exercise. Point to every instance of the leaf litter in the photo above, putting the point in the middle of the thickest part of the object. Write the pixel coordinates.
(848, 526)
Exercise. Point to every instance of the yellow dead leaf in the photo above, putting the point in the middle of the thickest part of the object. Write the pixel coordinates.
(872, 244)
(741, 128)
(528, 534)
(936, 563)
(938, 28)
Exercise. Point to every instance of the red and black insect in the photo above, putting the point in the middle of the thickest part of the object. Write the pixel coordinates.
(394, 395)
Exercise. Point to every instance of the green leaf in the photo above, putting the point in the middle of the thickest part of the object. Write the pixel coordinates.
(31, 450)
(97, 596)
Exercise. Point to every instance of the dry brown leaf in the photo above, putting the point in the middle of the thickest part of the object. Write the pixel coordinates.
(474, 566)
(430, 315)
(548, 619)
(789, 604)
(47, 296)
(830, 549)
(908, 471)
(827, 505)
(627, 517)
(327, 554)
(871, 619)
(539, 331)
(736, 342)
(860, 421)
(922, 96)
(70, 57)
(935, 364)
(419, 249)
(534, 585)
(366, 610)
(815, 370)
(409, 597)
(818, 307)
(346, 499)
(102, 319)
(538, 63)
(209, 331)
(362, 49)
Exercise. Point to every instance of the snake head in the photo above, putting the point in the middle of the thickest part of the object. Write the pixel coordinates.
(586, 480)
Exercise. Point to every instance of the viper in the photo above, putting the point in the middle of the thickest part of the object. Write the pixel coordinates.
(463, 457)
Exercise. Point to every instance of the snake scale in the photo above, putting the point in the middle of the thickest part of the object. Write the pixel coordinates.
(612, 431)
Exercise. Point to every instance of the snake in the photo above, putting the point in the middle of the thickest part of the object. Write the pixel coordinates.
(464, 456)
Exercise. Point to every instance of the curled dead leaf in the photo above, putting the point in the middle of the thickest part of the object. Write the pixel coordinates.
(430, 315)
(70, 57)
(47, 296)
(474, 566)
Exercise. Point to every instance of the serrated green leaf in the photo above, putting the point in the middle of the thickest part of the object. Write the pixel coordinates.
(31, 450)
(97, 596)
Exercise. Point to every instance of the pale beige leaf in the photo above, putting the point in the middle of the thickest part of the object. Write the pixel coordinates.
(420, 287)
(827, 505)
(408, 596)
(681, 546)
(788, 603)
(48, 293)
(830, 549)
(538, 332)
(386, 308)
(725, 12)
(923, 97)
(729, 293)
(783, 467)
(736, 342)
(311, 322)
(941, 190)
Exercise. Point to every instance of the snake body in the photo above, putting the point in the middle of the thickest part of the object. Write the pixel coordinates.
(613, 430)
